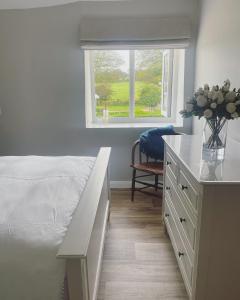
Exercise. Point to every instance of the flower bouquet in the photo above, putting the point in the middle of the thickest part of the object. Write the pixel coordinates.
(217, 106)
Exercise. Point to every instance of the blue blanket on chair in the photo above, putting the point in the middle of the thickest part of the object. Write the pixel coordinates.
(151, 142)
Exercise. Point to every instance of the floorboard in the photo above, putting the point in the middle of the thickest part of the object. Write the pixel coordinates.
(138, 261)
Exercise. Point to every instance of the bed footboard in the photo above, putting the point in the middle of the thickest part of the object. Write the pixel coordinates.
(83, 244)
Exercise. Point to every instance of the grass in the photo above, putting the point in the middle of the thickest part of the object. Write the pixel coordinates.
(118, 104)
(120, 90)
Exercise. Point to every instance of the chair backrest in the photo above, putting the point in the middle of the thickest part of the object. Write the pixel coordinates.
(151, 145)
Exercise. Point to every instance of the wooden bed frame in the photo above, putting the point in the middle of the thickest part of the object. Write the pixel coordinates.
(83, 244)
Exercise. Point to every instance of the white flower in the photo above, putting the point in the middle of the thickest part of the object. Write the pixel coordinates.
(234, 115)
(206, 87)
(237, 102)
(230, 96)
(213, 105)
(189, 107)
(227, 81)
(214, 95)
(231, 107)
(226, 86)
(210, 95)
(214, 88)
(201, 101)
(200, 91)
(220, 97)
(208, 113)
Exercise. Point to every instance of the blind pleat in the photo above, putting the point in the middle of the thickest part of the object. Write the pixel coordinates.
(96, 32)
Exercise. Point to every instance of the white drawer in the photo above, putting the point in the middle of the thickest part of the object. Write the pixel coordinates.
(171, 165)
(187, 190)
(185, 222)
(184, 261)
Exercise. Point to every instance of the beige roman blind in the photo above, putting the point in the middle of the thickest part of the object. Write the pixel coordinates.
(135, 31)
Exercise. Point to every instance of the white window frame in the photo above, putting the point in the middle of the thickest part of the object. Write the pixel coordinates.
(131, 119)
(167, 102)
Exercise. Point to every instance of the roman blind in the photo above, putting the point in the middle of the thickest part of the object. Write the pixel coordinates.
(171, 32)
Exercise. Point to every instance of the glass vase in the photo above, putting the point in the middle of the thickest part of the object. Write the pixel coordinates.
(215, 136)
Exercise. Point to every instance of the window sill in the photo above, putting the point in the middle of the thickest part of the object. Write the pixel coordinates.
(132, 125)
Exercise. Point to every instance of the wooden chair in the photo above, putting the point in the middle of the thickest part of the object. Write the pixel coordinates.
(151, 168)
(144, 165)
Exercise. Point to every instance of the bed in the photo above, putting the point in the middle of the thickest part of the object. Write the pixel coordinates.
(53, 225)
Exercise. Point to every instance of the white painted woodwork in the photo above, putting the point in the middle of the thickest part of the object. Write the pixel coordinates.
(203, 168)
(201, 211)
(83, 244)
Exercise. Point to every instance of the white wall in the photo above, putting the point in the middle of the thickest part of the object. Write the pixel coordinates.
(218, 49)
(42, 82)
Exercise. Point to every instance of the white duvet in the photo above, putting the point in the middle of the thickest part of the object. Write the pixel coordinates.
(38, 196)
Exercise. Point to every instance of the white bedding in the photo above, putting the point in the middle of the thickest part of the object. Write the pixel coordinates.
(38, 196)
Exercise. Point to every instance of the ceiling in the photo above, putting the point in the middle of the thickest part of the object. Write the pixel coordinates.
(23, 4)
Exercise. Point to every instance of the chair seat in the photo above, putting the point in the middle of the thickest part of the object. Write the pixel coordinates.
(150, 167)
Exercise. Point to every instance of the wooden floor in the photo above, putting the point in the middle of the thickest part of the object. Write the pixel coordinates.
(138, 262)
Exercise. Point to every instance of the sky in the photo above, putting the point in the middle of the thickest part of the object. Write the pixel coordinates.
(125, 56)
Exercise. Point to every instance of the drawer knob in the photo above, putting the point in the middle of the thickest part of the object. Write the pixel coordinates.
(167, 188)
(168, 163)
(180, 254)
(167, 215)
(184, 187)
(182, 220)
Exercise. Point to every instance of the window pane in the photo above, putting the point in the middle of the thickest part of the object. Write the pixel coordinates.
(148, 80)
(111, 75)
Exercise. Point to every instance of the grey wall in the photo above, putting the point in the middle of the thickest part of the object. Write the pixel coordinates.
(218, 47)
(42, 81)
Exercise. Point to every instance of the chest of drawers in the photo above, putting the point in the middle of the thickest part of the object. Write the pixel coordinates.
(201, 212)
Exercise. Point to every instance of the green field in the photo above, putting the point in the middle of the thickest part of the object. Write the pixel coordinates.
(118, 106)
(120, 90)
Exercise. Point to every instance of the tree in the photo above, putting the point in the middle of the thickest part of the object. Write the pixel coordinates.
(111, 76)
(149, 65)
(105, 60)
(107, 66)
(150, 96)
(148, 58)
(104, 92)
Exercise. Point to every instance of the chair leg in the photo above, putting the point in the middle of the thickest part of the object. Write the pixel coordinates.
(156, 182)
(133, 185)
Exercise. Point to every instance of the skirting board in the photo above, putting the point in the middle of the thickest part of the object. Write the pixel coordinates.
(124, 184)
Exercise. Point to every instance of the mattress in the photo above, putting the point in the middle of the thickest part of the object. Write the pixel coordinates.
(38, 196)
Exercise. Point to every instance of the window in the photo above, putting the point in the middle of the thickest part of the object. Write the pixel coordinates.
(131, 86)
